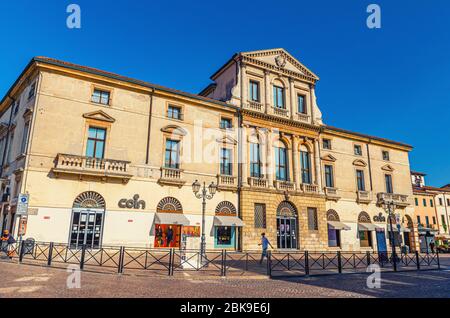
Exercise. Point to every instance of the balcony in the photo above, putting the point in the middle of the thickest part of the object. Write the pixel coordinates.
(309, 188)
(171, 176)
(302, 117)
(399, 200)
(252, 105)
(363, 196)
(280, 112)
(332, 194)
(258, 182)
(284, 185)
(93, 167)
(226, 182)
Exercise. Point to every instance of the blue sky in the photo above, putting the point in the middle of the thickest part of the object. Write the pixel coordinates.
(391, 82)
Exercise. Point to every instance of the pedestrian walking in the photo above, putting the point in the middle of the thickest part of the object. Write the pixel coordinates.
(265, 245)
(7, 244)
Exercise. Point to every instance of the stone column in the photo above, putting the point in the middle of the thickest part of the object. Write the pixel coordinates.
(317, 170)
(267, 88)
(293, 96)
(269, 167)
(244, 86)
(296, 167)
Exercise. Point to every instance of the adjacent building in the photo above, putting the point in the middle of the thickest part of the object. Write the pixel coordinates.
(110, 160)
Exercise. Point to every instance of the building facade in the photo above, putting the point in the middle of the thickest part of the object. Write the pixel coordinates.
(109, 160)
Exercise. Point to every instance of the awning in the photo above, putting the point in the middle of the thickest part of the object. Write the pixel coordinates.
(335, 225)
(367, 227)
(221, 220)
(171, 218)
(425, 230)
(402, 229)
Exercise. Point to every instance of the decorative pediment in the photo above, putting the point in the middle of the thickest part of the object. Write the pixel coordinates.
(99, 115)
(227, 140)
(359, 163)
(387, 168)
(329, 158)
(280, 59)
(174, 130)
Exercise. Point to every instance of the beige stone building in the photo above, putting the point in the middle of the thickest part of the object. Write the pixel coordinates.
(109, 160)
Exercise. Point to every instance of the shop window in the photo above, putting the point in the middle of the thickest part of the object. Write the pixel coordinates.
(334, 238)
(260, 216)
(224, 236)
(365, 238)
(167, 235)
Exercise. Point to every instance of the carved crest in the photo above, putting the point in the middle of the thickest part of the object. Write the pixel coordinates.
(280, 60)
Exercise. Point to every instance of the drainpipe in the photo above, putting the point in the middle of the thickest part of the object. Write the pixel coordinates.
(239, 190)
(147, 158)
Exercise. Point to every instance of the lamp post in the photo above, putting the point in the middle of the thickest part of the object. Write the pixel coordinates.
(201, 192)
(389, 207)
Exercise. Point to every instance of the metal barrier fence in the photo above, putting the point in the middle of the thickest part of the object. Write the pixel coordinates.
(171, 262)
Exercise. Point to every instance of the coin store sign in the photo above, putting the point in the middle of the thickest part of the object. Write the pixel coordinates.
(134, 203)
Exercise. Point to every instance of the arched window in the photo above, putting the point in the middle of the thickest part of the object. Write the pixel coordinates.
(281, 161)
(287, 209)
(364, 217)
(333, 216)
(89, 200)
(226, 208)
(169, 205)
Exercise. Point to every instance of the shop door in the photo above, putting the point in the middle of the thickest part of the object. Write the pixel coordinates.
(86, 229)
(286, 232)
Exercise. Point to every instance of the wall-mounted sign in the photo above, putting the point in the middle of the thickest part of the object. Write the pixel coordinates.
(22, 204)
(379, 218)
(134, 203)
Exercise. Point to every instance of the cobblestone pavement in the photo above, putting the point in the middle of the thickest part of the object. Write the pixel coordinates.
(34, 281)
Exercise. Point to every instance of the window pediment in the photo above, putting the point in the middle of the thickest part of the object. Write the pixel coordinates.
(99, 115)
(359, 163)
(227, 140)
(329, 158)
(174, 130)
(388, 168)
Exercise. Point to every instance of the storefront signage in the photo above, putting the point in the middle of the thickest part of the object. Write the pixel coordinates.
(134, 203)
(379, 218)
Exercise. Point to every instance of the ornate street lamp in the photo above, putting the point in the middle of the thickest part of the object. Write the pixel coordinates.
(389, 207)
(202, 193)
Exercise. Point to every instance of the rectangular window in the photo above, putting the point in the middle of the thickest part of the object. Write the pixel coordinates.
(96, 143)
(16, 106)
(101, 97)
(174, 112)
(326, 144)
(448, 202)
(358, 150)
(418, 220)
(255, 161)
(281, 164)
(388, 181)
(431, 203)
(301, 104)
(305, 162)
(385, 155)
(312, 219)
(278, 97)
(440, 202)
(32, 91)
(226, 167)
(254, 91)
(434, 220)
(424, 202)
(23, 148)
(172, 154)
(260, 216)
(360, 180)
(417, 201)
(226, 123)
(365, 238)
(329, 181)
(427, 221)
(444, 224)
(11, 141)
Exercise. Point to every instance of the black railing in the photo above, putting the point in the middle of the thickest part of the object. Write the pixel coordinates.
(217, 262)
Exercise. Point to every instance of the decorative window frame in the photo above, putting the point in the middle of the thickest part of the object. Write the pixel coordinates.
(104, 88)
(174, 104)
